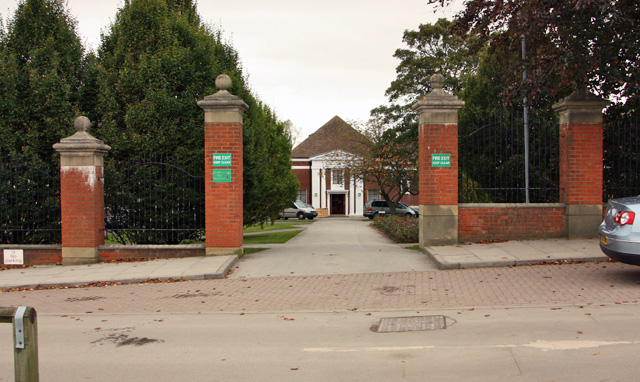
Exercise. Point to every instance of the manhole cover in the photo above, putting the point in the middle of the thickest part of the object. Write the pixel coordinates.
(409, 324)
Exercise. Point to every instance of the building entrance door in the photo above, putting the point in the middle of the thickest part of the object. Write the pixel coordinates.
(337, 204)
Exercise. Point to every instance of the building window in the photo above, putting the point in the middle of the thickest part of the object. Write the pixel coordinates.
(373, 194)
(407, 186)
(337, 177)
(302, 196)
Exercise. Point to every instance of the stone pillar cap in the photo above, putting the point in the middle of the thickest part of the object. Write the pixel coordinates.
(81, 140)
(222, 98)
(438, 98)
(581, 98)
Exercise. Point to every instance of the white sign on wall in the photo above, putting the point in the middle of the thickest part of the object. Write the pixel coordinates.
(13, 257)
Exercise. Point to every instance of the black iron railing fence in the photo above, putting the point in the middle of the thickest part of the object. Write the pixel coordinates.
(29, 202)
(621, 171)
(154, 200)
(491, 151)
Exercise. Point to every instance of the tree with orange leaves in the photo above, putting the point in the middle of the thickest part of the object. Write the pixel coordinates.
(383, 158)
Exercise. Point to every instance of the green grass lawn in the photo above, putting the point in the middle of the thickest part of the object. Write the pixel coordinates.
(288, 224)
(267, 238)
(248, 251)
(271, 238)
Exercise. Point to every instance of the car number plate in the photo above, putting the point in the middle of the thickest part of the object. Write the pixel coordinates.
(603, 240)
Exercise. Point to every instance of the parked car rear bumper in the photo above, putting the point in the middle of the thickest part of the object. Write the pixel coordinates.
(620, 250)
(627, 258)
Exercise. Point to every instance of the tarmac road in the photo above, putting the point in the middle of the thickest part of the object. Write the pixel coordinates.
(568, 343)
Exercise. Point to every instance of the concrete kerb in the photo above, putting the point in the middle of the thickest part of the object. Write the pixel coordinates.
(224, 268)
(128, 276)
(436, 258)
(471, 259)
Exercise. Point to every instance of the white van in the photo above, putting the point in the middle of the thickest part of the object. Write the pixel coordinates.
(299, 210)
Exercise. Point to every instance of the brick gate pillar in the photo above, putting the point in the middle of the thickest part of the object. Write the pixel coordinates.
(438, 165)
(223, 163)
(81, 194)
(581, 162)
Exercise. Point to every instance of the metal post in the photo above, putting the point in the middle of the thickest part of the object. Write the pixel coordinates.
(526, 123)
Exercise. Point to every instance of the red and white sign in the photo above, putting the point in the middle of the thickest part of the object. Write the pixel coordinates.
(13, 257)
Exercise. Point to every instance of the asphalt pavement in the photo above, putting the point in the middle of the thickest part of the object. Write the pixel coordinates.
(533, 344)
(328, 246)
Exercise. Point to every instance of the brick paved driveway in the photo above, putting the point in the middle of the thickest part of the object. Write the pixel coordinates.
(589, 283)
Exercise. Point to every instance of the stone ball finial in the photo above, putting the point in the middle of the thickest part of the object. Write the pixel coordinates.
(223, 82)
(437, 81)
(82, 124)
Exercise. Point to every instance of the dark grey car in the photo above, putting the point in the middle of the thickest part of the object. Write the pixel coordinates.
(375, 208)
(619, 232)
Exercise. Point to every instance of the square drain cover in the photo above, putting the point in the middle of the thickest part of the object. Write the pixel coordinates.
(409, 324)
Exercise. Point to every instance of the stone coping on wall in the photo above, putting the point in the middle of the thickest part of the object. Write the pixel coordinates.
(151, 246)
(108, 246)
(512, 205)
(31, 246)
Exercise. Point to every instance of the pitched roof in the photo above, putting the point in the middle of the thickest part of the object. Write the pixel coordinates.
(334, 135)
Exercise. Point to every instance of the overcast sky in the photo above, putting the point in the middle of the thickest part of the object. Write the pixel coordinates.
(308, 60)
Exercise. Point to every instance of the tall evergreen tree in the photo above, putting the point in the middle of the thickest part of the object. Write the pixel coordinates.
(40, 79)
(156, 61)
(269, 184)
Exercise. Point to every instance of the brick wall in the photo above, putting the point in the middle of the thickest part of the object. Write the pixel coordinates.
(327, 179)
(412, 200)
(581, 163)
(52, 254)
(304, 177)
(120, 252)
(223, 200)
(82, 204)
(510, 221)
(438, 185)
(38, 254)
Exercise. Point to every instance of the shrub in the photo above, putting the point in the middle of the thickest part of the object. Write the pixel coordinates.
(398, 229)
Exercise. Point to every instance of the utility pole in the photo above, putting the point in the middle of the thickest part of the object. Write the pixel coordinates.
(526, 122)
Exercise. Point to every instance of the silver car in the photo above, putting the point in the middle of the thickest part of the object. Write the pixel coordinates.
(619, 236)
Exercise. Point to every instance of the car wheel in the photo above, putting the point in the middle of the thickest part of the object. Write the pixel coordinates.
(300, 215)
(408, 215)
(371, 217)
(375, 215)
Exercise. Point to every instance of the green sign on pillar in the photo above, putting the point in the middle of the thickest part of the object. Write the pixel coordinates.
(440, 160)
(221, 160)
(221, 176)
